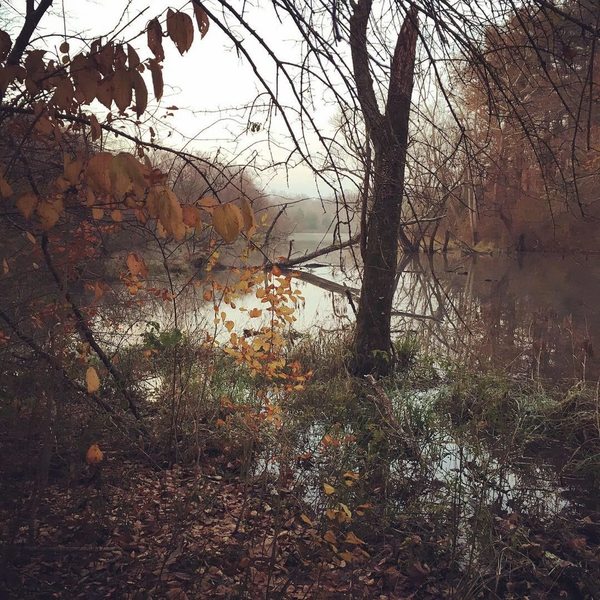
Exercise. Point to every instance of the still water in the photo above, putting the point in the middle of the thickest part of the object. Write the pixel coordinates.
(537, 315)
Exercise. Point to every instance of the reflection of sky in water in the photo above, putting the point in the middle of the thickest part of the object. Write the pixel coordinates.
(538, 316)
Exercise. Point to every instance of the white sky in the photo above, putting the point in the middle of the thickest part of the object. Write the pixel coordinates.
(206, 80)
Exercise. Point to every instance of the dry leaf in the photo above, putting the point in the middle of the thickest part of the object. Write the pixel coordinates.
(328, 489)
(92, 380)
(180, 29)
(201, 20)
(228, 221)
(26, 204)
(154, 33)
(94, 455)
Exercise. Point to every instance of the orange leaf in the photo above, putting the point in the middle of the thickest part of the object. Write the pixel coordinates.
(92, 380)
(136, 265)
(94, 455)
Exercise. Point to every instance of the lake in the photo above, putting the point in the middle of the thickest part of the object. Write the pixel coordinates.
(536, 315)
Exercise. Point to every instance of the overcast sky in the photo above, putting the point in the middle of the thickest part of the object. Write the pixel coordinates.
(205, 84)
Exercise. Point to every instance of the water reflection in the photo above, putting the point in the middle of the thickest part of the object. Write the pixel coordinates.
(537, 315)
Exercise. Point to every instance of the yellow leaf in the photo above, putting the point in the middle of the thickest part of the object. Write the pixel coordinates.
(228, 221)
(208, 204)
(92, 380)
(180, 29)
(208, 295)
(94, 455)
(351, 538)
(330, 537)
(306, 520)
(116, 215)
(255, 312)
(328, 489)
(26, 204)
(168, 211)
(97, 213)
(346, 511)
(229, 325)
(127, 175)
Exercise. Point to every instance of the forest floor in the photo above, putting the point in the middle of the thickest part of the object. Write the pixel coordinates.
(483, 494)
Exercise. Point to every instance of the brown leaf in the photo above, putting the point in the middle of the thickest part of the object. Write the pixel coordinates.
(141, 94)
(248, 217)
(133, 59)
(157, 78)
(49, 212)
(201, 20)
(351, 538)
(63, 94)
(98, 172)
(191, 215)
(72, 169)
(5, 44)
(5, 188)
(330, 537)
(95, 128)
(122, 88)
(26, 204)
(163, 205)
(104, 58)
(104, 92)
(154, 33)
(180, 29)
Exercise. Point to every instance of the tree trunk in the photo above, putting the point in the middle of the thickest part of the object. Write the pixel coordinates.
(389, 134)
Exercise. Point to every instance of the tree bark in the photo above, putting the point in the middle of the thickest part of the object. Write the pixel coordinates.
(389, 135)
